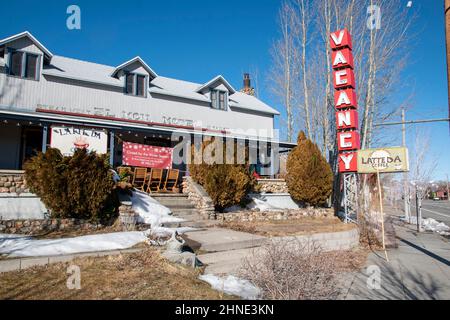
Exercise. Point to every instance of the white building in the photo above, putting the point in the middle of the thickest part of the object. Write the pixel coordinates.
(131, 102)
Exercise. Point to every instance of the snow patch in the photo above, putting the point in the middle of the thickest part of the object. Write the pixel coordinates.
(151, 211)
(232, 285)
(271, 202)
(18, 246)
(430, 224)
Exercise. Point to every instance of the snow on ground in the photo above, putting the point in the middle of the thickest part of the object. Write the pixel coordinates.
(148, 209)
(232, 285)
(430, 224)
(20, 246)
(151, 211)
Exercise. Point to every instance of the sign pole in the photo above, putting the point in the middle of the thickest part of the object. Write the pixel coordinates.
(405, 174)
(382, 215)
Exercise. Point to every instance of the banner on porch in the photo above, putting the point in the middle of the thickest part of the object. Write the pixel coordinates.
(140, 155)
(68, 139)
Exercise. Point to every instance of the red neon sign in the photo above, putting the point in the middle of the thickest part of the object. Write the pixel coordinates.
(345, 100)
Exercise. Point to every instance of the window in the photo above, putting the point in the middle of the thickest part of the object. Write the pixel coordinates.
(16, 63)
(24, 65)
(130, 83)
(219, 100)
(140, 86)
(31, 67)
(222, 105)
(214, 99)
(135, 84)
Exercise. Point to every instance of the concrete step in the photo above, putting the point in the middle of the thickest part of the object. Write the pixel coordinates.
(218, 239)
(173, 201)
(176, 203)
(176, 211)
(168, 195)
(225, 262)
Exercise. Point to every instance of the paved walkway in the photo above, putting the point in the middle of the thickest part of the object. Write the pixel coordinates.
(418, 269)
(224, 250)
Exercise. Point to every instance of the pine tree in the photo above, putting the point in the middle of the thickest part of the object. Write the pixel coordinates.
(309, 178)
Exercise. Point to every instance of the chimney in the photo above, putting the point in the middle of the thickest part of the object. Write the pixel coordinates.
(247, 87)
(246, 81)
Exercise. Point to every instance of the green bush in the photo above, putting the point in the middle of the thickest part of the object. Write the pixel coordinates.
(226, 184)
(309, 178)
(80, 186)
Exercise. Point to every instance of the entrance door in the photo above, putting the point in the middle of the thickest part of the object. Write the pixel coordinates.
(31, 143)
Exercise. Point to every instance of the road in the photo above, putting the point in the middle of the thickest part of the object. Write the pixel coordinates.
(438, 210)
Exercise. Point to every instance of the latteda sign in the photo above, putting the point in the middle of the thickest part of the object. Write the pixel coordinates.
(383, 160)
(68, 139)
(140, 155)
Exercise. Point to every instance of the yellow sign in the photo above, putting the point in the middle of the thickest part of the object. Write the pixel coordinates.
(383, 160)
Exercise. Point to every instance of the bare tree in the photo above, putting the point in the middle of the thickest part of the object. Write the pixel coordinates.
(282, 72)
(423, 163)
(302, 73)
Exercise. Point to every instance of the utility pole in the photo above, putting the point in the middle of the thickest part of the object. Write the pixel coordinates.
(405, 174)
(448, 194)
(418, 210)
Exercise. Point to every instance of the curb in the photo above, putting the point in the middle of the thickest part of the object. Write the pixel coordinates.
(17, 264)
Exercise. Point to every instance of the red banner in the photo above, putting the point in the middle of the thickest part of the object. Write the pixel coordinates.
(140, 155)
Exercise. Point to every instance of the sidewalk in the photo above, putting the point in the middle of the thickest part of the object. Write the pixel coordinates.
(418, 269)
(223, 250)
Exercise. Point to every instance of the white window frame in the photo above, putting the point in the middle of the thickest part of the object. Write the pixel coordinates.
(135, 82)
(217, 106)
(24, 63)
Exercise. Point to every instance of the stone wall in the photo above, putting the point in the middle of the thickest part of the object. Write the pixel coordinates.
(272, 186)
(33, 227)
(198, 196)
(293, 214)
(13, 183)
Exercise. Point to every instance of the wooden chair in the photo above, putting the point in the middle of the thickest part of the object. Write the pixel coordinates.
(154, 180)
(171, 180)
(140, 178)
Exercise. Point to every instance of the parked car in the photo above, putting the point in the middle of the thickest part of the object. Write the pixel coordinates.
(436, 199)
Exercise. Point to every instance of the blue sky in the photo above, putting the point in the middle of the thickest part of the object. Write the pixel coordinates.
(196, 40)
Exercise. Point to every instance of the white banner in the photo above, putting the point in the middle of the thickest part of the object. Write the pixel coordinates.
(68, 139)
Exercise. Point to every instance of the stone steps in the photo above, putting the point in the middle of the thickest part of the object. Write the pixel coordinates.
(183, 208)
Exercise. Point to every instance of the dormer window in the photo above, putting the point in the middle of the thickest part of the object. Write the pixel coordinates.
(24, 65)
(219, 100)
(136, 84)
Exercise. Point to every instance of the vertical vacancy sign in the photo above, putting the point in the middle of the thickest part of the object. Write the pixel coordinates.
(346, 105)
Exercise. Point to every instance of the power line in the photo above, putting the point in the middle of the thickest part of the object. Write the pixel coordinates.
(411, 122)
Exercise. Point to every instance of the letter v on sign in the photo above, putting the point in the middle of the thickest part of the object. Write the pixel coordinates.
(341, 39)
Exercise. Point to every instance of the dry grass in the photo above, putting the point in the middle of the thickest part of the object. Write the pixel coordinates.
(142, 275)
(303, 226)
(294, 270)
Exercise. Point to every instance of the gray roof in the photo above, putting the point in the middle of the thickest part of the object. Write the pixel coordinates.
(29, 36)
(101, 74)
(98, 73)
